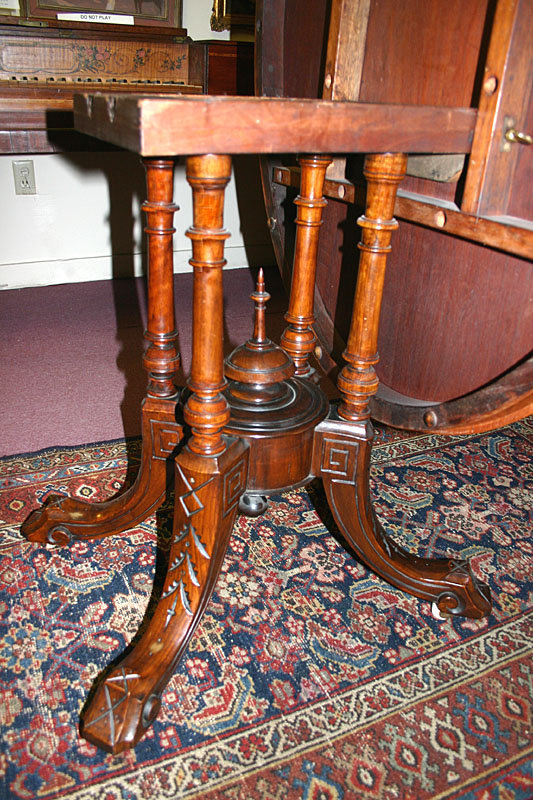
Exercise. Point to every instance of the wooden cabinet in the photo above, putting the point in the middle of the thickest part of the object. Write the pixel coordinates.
(227, 67)
(458, 303)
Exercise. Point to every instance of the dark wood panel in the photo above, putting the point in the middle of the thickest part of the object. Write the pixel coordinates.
(498, 403)
(269, 42)
(284, 64)
(410, 46)
(454, 315)
(305, 41)
(451, 321)
(424, 52)
(230, 68)
(338, 246)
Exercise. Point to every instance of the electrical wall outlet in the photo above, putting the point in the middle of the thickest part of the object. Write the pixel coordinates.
(24, 175)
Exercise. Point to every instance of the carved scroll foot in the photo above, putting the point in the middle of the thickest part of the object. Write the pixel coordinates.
(342, 460)
(207, 495)
(62, 519)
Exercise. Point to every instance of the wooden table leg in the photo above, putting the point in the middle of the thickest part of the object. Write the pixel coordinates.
(62, 519)
(343, 441)
(210, 472)
(299, 338)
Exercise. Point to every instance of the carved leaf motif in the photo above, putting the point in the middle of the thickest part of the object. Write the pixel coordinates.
(183, 571)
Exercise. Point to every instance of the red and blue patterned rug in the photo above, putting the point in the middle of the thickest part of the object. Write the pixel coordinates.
(308, 677)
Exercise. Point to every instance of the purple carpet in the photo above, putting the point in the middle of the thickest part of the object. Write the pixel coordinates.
(71, 355)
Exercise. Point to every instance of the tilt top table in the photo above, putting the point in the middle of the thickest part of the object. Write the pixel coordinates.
(257, 424)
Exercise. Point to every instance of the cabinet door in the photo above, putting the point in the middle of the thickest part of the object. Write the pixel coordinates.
(500, 172)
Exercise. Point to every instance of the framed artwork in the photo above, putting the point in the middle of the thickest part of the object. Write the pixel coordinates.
(10, 8)
(232, 14)
(145, 12)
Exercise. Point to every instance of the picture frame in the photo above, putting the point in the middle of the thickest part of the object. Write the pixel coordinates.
(163, 13)
(10, 8)
(230, 14)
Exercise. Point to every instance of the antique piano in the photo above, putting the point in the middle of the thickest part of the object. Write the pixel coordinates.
(42, 67)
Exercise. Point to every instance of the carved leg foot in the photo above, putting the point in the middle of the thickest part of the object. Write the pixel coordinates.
(342, 460)
(207, 495)
(61, 519)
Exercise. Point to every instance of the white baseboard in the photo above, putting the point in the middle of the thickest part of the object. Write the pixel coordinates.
(100, 268)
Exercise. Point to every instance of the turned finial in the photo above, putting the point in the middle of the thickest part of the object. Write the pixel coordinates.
(260, 298)
(259, 360)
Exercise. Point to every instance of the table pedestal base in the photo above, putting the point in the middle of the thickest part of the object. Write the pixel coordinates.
(271, 429)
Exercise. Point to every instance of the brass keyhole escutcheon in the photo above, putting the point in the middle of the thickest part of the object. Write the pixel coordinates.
(511, 135)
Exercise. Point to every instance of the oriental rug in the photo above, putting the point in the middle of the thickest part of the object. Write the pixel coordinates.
(308, 677)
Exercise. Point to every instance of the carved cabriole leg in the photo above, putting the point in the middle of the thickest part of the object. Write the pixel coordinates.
(62, 519)
(207, 493)
(299, 338)
(343, 441)
(210, 472)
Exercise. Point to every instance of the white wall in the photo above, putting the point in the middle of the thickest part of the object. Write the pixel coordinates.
(85, 221)
(73, 230)
(196, 18)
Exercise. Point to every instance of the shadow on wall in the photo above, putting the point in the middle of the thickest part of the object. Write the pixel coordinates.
(252, 213)
(124, 174)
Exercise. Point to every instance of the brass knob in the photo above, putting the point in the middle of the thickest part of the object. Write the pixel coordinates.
(512, 135)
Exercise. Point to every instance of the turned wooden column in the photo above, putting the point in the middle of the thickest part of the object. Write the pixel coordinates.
(161, 358)
(358, 380)
(207, 410)
(299, 339)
